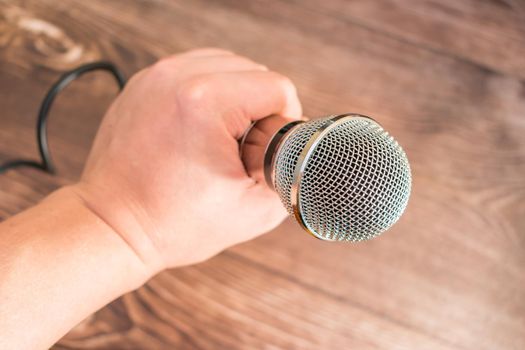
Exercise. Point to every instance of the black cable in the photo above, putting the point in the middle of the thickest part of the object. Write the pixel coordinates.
(46, 162)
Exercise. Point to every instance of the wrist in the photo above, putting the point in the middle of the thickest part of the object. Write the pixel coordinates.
(124, 215)
(70, 202)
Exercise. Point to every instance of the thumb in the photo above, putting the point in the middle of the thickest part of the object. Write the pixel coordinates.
(267, 207)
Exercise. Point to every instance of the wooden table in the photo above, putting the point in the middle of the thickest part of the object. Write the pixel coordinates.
(446, 78)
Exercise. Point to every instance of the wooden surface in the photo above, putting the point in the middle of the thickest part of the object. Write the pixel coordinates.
(446, 78)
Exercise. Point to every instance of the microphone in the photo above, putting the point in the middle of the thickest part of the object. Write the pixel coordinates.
(342, 177)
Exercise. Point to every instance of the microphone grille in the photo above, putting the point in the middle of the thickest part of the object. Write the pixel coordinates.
(343, 177)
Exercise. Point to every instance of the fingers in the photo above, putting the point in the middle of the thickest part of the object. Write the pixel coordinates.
(266, 206)
(205, 51)
(265, 93)
(215, 64)
(243, 97)
(242, 90)
(203, 61)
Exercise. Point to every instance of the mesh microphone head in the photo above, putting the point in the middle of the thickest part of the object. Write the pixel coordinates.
(343, 177)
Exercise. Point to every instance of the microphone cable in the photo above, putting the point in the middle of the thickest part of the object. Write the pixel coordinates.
(46, 162)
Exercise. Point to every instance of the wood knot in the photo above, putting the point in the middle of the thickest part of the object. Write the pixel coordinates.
(28, 41)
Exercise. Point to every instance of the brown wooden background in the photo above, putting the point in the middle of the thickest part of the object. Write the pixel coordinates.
(446, 78)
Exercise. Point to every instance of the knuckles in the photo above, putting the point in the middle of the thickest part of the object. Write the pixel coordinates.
(286, 84)
(190, 92)
(164, 67)
(194, 91)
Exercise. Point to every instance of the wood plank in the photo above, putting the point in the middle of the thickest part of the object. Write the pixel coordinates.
(202, 304)
(490, 34)
(447, 275)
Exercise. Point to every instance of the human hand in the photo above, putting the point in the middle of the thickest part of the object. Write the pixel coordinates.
(164, 171)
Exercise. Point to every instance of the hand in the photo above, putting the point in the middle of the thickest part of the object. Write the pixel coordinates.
(164, 171)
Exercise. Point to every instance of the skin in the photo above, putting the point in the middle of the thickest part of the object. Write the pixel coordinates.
(163, 187)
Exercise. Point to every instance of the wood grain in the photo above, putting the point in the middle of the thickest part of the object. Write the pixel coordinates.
(446, 78)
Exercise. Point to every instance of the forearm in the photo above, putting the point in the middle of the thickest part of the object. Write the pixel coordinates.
(59, 263)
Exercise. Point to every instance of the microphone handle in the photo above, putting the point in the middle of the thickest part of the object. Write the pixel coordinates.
(259, 144)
